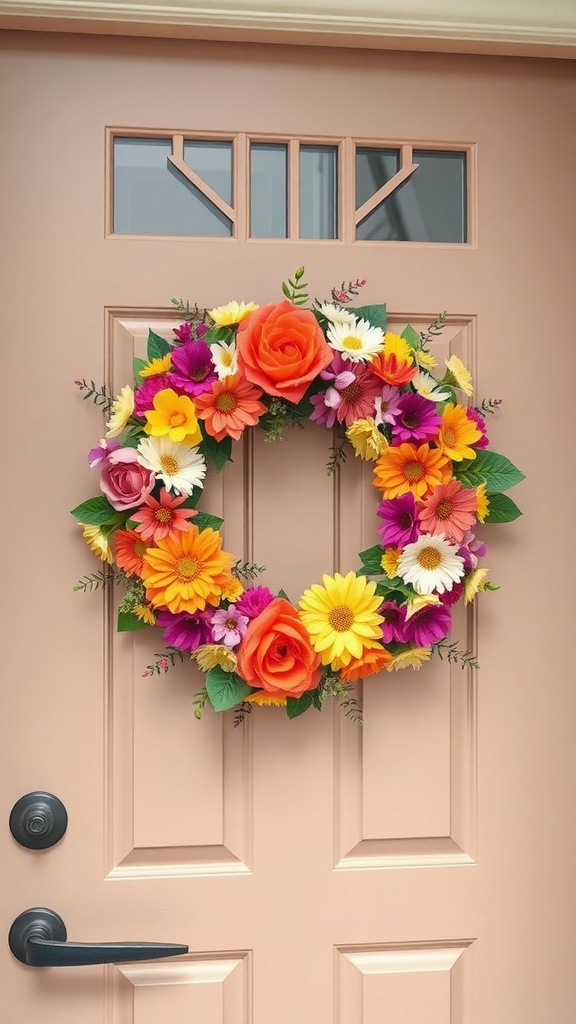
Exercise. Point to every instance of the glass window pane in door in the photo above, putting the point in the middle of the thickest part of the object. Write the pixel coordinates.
(213, 162)
(268, 190)
(318, 191)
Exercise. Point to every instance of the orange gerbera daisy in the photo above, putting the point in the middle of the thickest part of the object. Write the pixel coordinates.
(129, 549)
(457, 433)
(229, 407)
(408, 468)
(187, 572)
(372, 660)
(395, 364)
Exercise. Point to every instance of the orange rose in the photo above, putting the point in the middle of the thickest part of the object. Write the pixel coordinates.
(282, 349)
(276, 654)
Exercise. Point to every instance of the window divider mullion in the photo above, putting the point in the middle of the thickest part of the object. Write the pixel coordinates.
(293, 197)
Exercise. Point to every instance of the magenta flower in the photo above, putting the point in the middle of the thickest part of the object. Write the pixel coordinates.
(394, 619)
(417, 419)
(183, 333)
(192, 368)
(428, 625)
(184, 631)
(103, 448)
(387, 405)
(351, 395)
(450, 597)
(400, 526)
(471, 550)
(144, 394)
(228, 626)
(479, 422)
(253, 601)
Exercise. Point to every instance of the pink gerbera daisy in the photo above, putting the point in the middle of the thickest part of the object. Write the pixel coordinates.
(449, 509)
(163, 518)
(351, 396)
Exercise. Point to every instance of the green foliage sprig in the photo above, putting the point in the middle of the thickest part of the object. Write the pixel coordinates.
(294, 289)
(454, 655)
(488, 406)
(99, 580)
(165, 660)
(332, 686)
(247, 570)
(281, 414)
(338, 456)
(99, 395)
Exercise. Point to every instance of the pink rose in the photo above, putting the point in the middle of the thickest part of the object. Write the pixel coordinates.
(123, 480)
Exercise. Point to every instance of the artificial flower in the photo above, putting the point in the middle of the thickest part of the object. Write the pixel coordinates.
(145, 614)
(427, 625)
(450, 509)
(264, 699)
(192, 368)
(144, 394)
(400, 517)
(386, 405)
(427, 386)
(231, 405)
(188, 572)
(174, 417)
(224, 358)
(417, 419)
(103, 448)
(412, 658)
(473, 583)
(457, 433)
(394, 620)
(156, 367)
(341, 617)
(471, 550)
(282, 349)
(395, 364)
(424, 359)
(122, 409)
(124, 480)
(482, 503)
(179, 467)
(215, 656)
(98, 542)
(357, 340)
(431, 564)
(232, 313)
(162, 518)
(232, 590)
(183, 332)
(336, 314)
(408, 468)
(276, 654)
(350, 397)
(367, 441)
(129, 549)
(373, 659)
(184, 631)
(480, 422)
(229, 626)
(458, 376)
(254, 600)
(389, 562)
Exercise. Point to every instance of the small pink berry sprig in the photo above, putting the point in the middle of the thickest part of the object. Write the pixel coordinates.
(345, 292)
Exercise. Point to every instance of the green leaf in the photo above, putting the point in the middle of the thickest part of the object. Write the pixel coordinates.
(502, 509)
(128, 623)
(204, 519)
(411, 336)
(282, 593)
(192, 499)
(225, 689)
(214, 334)
(157, 346)
(371, 558)
(97, 512)
(217, 452)
(496, 471)
(137, 365)
(375, 315)
(133, 438)
(393, 590)
(297, 706)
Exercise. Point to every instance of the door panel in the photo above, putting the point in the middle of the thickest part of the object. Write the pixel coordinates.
(418, 870)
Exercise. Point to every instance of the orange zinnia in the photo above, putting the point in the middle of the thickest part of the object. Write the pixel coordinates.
(372, 660)
(393, 370)
(129, 549)
(229, 407)
(408, 468)
(187, 572)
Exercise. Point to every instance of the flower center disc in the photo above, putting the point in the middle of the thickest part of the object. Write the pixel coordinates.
(163, 515)
(177, 419)
(226, 402)
(341, 618)
(429, 558)
(169, 464)
(444, 509)
(352, 392)
(351, 343)
(187, 568)
(413, 471)
(449, 437)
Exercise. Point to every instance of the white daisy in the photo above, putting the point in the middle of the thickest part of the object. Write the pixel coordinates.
(429, 387)
(224, 358)
(357, 341)
(178, 466)
(431, 564)
(336, 314)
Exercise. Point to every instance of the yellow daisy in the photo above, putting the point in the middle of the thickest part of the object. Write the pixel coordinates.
(98, 542)
(367, 441)
(264, 699)
(341, 617)
(413, 658)
(232, 590)
(473, 583)
(457, 433)
(458, 376)
(394, 345)
(425, 359)
(482, 503)
(232, 313)
(122, 409)
(215, 655)
(389, 562)
(157, 366)
(145, 614)
(174, 417)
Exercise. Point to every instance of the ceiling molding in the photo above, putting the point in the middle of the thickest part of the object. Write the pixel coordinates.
(547, 27)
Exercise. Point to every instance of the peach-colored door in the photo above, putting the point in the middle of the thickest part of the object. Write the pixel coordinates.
(420, 871)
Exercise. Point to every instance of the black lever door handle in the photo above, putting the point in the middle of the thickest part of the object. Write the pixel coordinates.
(38, 938)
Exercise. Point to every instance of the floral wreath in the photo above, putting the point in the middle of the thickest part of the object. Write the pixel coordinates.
(240, 366)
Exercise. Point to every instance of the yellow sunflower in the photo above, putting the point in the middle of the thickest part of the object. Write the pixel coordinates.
(341, 617)
(187, 572)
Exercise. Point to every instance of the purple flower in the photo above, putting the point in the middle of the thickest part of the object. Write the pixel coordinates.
(229, 626)
(450, 597)
(427, 625)
(400, 526)
(417, 419)
(253, 601)
(144, 395)
(103, 448)
(387, 407)
(192, 368)
(471, 550)
(480, 422)
(394, 619)
(351, 396)
(183, 333)
(184, 631)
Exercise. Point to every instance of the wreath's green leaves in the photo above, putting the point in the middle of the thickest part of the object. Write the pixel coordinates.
(502, 509)
(192, 499)
(128, 623)
(214, 334)
(217, 452)
(97, 512)
(137, 365)
(225, 689)
(375, 315)
(157, 346)
(204, 519)
(393, 590)
(133, 437)
(282, 593)
(371, 560)
(297, 706)
(411, 336)
(496, 471)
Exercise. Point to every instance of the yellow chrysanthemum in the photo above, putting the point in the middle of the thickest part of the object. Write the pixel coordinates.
(232, 313)
(98, 542)
(482, 503)
(420, 601)
(389, 561)
(341, 617)
(122, 409)
(157, 366)
(215, 656)
(145, 614)
(414, 658)
(457, 433)
(186, 572)
(458, 376)
(232, 590)
(174, 417)
(474, 582)
(367, 441)
(264, 699)
(394, 345)
(425, 359)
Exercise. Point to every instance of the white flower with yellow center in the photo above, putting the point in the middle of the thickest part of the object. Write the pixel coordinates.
(427, 386)
(224, 358)
(122, 409)
(232, 313)
(357, 341)
(179, 467)
(431, 564)
(336, 314)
